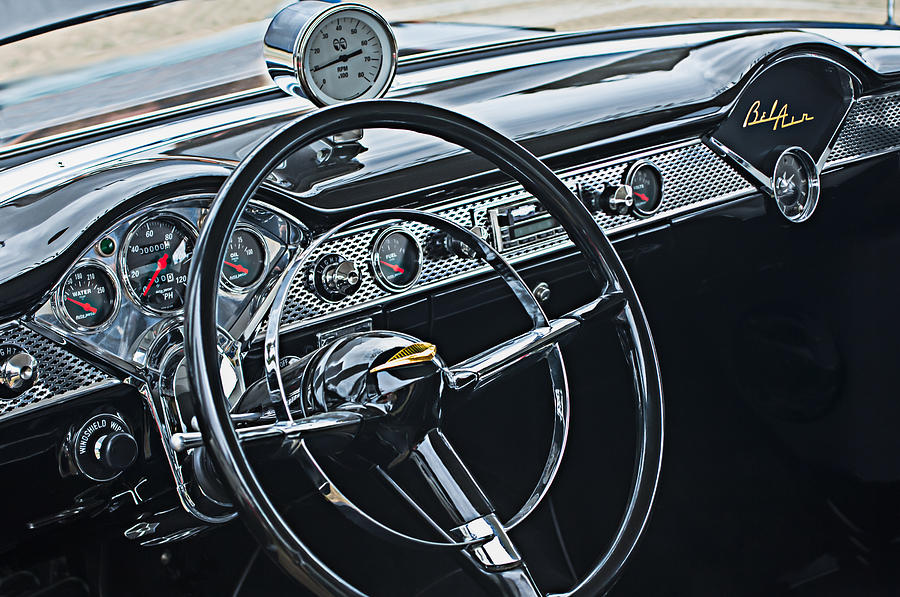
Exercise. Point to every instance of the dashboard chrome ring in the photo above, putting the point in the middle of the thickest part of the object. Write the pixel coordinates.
(235, 289)
(373, 259)
(60, 311)
(811, 171)
(123, 254)
(629, 179)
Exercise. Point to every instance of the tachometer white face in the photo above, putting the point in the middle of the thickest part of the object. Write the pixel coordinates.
(347, 54)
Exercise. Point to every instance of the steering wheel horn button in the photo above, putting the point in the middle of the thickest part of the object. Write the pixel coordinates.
(414, 354)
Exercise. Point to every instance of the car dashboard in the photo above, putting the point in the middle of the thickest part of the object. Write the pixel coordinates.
(100, 315)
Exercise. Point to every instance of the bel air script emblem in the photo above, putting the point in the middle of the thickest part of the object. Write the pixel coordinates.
(780, 118)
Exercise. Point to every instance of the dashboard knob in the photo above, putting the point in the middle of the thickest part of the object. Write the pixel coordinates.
(621, 200)
(592, 195)
(117, 451)
(103, 447)
(341, 277)
(18, 371)
(455, 247)
(333, 277)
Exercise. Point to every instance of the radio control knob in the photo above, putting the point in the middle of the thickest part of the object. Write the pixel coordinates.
(18, 371)
(621, 200)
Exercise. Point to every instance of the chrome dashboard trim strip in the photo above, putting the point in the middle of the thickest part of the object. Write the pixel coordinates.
(508, 193)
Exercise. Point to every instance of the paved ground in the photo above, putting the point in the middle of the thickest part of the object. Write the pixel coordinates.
(182, 21)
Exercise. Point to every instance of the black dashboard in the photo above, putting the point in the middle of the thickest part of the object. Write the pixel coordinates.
(649, 133)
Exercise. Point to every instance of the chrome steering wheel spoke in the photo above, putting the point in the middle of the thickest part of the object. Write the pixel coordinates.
(489, 555)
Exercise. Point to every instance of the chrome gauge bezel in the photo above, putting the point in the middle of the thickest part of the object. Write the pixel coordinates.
(373, 259)
(123, 253)
(812, 176)
(629, 179)
(230, 286)
(63, 315)
(382, 82)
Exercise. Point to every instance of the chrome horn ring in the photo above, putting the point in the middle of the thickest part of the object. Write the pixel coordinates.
(552, 355)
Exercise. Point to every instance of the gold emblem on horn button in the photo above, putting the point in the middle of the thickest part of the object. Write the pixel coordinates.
(420, 352)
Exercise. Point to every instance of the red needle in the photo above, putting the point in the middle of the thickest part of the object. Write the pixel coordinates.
(239, 268)
(643, 197)
(160, 266)
(396, 268)
(84, 306)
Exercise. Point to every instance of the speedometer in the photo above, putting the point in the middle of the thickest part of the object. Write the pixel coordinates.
(155, 261)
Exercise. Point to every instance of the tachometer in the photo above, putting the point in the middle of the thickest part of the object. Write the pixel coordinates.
(396, 259)
(88, 298)
(155, 261)
(245, 260)
(336, 52)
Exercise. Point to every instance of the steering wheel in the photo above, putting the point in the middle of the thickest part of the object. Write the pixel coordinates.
(388, 391)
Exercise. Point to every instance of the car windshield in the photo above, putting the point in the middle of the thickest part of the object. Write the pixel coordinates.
(168, 56)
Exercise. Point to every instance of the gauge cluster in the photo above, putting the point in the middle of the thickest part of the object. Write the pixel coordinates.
(132, 282)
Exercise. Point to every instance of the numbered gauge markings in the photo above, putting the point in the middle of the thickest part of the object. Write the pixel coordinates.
(245, 261)
(396, 259)
(88, 298)
(155, 262)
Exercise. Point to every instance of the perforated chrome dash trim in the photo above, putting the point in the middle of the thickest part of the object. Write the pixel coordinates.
(61, 375)
(872, 127)
(694, 177)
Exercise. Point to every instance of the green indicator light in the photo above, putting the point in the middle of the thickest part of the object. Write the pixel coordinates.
(107, 247)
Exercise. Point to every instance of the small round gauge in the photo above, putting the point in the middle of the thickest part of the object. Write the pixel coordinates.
(396, 259)
(347, 52)
(646, 182)
(245, 260)
(155, 261)
(88, 298)
(796, 184)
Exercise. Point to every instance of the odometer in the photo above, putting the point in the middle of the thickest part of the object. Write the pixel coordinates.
(245, 260)
(155, 261)
(88, 298)
(396, 259)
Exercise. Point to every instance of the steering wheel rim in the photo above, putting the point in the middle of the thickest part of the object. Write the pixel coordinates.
(603, 262)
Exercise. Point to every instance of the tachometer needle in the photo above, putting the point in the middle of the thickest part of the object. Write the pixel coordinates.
(396, 268)
(238, 267)
(84, 306)
(341, 58)
(160, 266)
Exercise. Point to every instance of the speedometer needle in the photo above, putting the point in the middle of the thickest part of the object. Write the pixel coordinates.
(87, 307)
(396, 268)
(160, 266)
(239, 268)
(341, 58)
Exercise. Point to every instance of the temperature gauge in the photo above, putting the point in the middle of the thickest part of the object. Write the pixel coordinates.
(88, 298)
(245, 260)
(396, 259)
